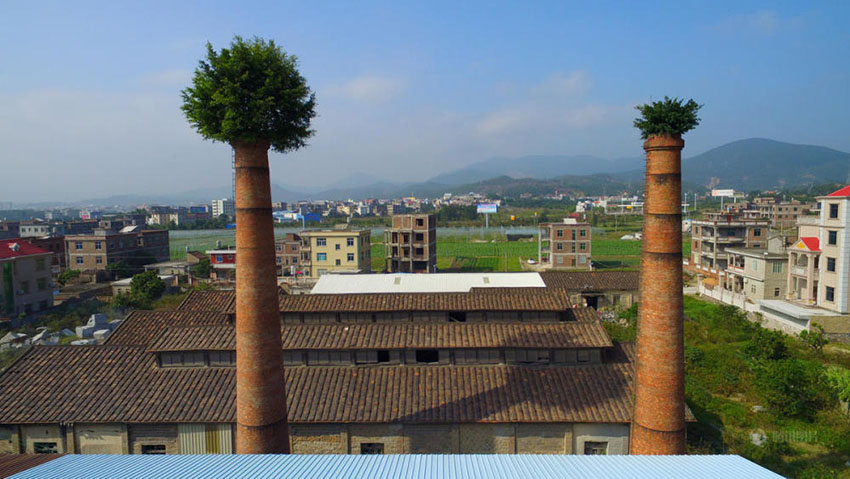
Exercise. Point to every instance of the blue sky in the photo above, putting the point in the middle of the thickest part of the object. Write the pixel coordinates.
(89, 91)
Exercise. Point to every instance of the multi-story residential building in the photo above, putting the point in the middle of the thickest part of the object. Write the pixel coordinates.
(564, 245)
(757, 274)
(475, 372)
(338, 250)
(56, 245)
(26, 284)
(287, 253)
(782, 215)
(94, 252)
(224, 206)
(411, 244)
(34, 229)
(10, 229)
(820, 259)
(223, 263)
(711, 236)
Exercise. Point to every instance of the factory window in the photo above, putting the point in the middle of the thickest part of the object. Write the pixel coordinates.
(427, 356)
(371, 448)
(457, 316)
(321, 241)
(583, 356)
(384, 356)
(349, 241)
(222, 358)
(594, 448)
(830, 264)
(833, 211)
(98, 259)
(832, 238)
(78, 245)
(830, 294)
(539, 356)
(153, 449)
(45, 448)
(321, 256)
(350, 257)
(79, 260)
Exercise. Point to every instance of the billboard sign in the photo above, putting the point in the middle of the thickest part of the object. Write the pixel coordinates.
(726, 193)
(487, 208)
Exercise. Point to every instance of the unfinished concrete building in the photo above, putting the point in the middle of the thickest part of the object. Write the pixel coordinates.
(411, 244)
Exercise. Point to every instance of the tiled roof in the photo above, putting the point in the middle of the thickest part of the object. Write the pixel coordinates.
(14, 463)
(24, 248)
(842, 192)
(399, 336)
(141, 327)
(54, 384)
(387, 302)
(812, 243)
(592, 280)
(586, 315)
(219, 301)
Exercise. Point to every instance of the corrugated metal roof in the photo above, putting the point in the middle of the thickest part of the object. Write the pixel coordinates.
(423, 283)
(397, 466)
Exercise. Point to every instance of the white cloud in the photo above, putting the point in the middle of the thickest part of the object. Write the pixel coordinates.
(368, 88)
(167, 78)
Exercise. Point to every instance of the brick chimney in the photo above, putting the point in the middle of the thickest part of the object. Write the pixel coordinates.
(261, 426)
(658, 425)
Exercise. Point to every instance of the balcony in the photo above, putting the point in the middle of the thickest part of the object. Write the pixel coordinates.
(800, 271)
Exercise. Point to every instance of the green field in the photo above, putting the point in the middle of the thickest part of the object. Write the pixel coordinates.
(490, 252)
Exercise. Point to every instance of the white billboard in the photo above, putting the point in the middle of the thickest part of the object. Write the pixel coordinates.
(487, 208)
(727, 193)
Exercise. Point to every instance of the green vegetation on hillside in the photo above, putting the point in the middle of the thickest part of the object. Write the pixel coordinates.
(742, 379)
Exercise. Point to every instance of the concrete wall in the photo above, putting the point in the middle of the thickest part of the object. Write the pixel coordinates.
(390, 435)
(616, 435)
(544, 438)
(101, 439)
(43, 433)
(9, 442)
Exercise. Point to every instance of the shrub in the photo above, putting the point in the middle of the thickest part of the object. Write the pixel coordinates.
(667, 117)
(791, 387)
(767, 345)
(66, 276)
(838, 380)
(815, 338)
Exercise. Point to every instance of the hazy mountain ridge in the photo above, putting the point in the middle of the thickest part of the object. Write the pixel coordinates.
(749, 164)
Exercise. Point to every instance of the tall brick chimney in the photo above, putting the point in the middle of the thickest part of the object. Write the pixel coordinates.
(261, 426)
(658, 425)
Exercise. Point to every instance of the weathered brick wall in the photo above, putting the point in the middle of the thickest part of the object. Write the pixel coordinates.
(544, 439)
(431, 439)
(319, 439)
(390, 435)
(153, 434)
(487, 439)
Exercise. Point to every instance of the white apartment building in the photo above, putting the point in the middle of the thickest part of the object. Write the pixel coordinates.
(223, 206)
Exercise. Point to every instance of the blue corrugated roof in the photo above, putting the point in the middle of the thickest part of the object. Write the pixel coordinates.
(471, 466)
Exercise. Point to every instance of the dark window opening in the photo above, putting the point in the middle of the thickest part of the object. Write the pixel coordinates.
(427, 356)
(832, 237)
(833, 211)
(371, 448)
(153, 449)
(45, 448)
(420, 222)
(383, 356)
(457, 316)
(595, 448)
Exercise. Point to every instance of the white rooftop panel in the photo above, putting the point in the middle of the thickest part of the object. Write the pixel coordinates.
(423, 283)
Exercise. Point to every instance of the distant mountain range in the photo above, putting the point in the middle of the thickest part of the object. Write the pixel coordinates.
(751, 164)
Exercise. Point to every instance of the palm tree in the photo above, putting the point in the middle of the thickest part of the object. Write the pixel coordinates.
(252, 96)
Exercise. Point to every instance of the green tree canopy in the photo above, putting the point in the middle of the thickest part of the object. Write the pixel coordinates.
(667, 117)
(251, 91)
(147, 285)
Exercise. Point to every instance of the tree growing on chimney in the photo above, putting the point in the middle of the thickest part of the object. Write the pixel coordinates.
(252, 96)
(658, 424)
